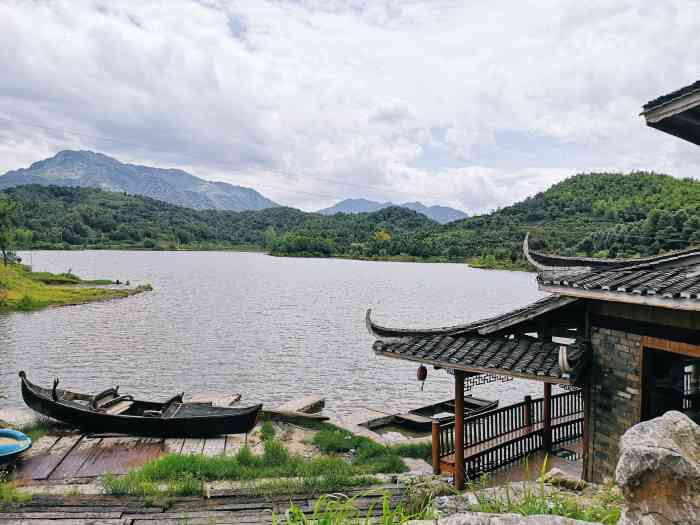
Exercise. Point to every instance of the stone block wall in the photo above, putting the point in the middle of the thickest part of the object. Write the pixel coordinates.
(615, 397)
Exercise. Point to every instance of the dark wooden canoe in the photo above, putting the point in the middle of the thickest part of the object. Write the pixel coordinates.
(109, 412)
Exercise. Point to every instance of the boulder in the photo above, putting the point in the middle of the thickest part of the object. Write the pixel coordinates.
(478, 518)
(559, 478)
(659, 471)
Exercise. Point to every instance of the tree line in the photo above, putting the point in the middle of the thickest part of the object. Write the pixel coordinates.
(601, 214)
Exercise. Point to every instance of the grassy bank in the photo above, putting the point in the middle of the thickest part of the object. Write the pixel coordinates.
(345, 461)
(23, 290)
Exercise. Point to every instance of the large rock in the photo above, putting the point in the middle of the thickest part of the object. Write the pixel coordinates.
(659, 471)
(477, 518)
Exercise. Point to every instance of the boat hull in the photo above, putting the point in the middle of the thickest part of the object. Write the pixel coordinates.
(199, 421)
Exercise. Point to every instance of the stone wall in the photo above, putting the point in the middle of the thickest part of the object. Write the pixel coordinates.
(615, 397)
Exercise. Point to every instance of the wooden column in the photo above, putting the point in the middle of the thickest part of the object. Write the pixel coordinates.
(527, 412)
(547, 418)
(436, 446)
(459, 430)
(586, 426)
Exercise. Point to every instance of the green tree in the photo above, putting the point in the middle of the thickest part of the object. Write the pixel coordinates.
(8, 213)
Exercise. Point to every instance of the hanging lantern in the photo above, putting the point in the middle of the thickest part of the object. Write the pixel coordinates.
(422, 375)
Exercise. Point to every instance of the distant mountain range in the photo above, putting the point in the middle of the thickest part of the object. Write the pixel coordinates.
(441, 214)
(96, 170)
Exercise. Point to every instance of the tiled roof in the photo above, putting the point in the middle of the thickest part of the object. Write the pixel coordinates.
(663, 99)
(482, 326)
(677, 283)
(524, 357)
(546, 261)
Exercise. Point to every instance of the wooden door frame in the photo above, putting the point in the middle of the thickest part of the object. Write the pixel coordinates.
(664, 345)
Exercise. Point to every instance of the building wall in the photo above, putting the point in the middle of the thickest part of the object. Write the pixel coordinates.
(615, 396)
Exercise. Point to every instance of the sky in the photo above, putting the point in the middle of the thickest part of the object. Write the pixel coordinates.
(473, 104)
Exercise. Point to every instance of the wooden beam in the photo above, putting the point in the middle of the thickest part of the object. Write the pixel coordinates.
(675, 347)
(547, 418)
(459, 430)
(623, 297)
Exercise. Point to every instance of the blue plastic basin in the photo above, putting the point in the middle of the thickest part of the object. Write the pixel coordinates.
(12, 443)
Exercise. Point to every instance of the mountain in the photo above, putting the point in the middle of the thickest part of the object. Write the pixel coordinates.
(441, 214)
(90, 169)
(595, 214)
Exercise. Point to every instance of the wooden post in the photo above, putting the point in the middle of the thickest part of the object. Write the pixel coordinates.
(547, 418)
(459, 430)
(436, 446)
(527, 412)
(586, 426)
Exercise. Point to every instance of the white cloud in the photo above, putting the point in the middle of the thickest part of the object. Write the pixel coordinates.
(314, 101)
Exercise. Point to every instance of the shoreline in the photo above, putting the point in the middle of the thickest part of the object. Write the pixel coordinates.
(22, 290)
(472, 262)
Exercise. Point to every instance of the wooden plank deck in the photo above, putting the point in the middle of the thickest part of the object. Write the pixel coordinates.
(447, 462)
(73, 456)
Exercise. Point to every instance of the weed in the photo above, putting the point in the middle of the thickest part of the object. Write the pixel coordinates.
(415, 450)
(38, 428)
(10, 495)
(535, 499)
(339, 510)
(267, 431)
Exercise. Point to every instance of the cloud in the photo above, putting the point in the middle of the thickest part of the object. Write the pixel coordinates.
(469, 104)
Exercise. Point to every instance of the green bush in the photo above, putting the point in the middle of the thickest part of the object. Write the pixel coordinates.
(267, 431)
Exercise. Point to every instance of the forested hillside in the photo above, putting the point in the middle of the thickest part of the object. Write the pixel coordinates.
(593, 214)
(63, 217)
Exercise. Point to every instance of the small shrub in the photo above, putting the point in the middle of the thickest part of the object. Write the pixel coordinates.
(246, 457)
(28, 304)
(415, 450)
(274, 454)
(334, 440)
(267, 431)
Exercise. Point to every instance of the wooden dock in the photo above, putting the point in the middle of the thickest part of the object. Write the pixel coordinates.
(75, 456)
(230, 508)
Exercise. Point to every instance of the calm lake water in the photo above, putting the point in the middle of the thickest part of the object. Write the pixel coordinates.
(270, 328)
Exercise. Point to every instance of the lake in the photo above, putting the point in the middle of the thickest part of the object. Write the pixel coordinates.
(269, 328)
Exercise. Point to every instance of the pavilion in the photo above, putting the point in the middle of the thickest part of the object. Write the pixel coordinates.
(622, 336)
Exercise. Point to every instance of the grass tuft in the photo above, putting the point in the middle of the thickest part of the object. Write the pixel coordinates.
(39, 427)
(339, 510)
(274, 471)
(605, 507)
(267, 431)
(10, 495)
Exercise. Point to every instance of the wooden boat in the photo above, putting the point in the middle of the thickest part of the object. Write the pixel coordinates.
(445, 410)
(110, 412)
(418, 422)
(12, 444)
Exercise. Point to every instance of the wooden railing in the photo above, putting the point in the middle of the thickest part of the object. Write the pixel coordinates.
(499, 428)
